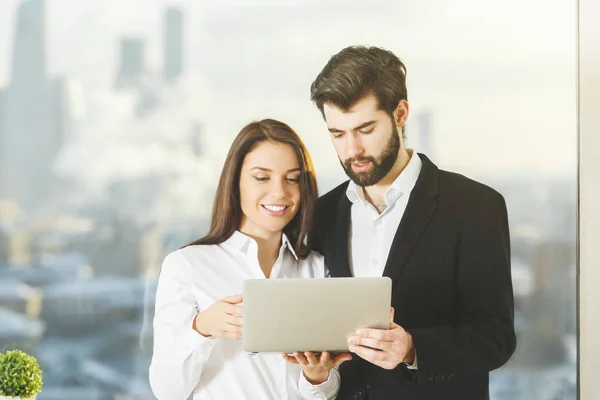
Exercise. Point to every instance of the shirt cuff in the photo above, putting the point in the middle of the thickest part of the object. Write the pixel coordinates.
(414, 365)
(325, 390)
(195, 340)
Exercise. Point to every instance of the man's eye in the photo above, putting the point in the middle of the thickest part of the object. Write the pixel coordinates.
(367, 131)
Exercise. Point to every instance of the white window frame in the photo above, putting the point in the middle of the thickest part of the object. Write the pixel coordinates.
(589, 198)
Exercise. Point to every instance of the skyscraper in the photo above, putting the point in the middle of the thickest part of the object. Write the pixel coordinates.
(62, 112)
(28, 134)
(132, 62)
(173, 44)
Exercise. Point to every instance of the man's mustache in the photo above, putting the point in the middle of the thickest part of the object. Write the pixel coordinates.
(348, 163)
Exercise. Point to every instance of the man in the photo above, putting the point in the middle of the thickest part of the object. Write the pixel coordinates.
(442, 238)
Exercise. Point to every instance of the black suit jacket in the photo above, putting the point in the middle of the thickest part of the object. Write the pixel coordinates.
(451, 288)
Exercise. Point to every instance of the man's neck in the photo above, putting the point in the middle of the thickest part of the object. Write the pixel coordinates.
(374, 194)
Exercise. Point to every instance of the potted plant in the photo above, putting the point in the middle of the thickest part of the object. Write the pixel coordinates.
(20, 376)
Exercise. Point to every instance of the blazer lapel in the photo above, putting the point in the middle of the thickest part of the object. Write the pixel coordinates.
(421, 207)
(340, 267)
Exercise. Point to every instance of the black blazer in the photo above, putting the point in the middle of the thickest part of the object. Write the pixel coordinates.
(451, 288)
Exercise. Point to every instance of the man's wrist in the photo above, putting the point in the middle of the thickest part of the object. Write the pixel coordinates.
(409, 357)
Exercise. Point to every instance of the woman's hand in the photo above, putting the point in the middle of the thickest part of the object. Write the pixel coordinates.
(316, 367)
(221, 319)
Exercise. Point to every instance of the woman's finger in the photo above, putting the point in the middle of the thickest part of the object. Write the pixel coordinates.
(310, 356)
(325, 358)
(235, 299)
(233, 320)
(340, 358)
(228, 334)
(290, 359)
(232, 309)
(301, 358)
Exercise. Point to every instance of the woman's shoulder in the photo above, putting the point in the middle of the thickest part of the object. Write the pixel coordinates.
(193, 254)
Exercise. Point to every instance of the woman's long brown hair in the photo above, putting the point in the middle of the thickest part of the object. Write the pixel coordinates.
(227, 210)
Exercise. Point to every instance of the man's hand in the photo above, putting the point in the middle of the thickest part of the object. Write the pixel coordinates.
(316, 368)
(384, 347)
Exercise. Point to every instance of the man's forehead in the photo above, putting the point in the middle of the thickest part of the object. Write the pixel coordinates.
(357, 114)
(365, 103)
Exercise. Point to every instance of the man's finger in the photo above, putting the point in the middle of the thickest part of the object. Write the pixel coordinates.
(379, 334)
(391, 317)
(368, 354)
(370, 342)
(238, 298)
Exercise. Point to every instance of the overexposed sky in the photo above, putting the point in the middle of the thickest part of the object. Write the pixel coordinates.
(499, 77)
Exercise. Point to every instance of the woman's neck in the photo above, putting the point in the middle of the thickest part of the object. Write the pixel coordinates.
(268, 249)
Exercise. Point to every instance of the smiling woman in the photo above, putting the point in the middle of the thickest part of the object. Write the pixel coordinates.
(261, 218)
(270, 190)
(264, 152)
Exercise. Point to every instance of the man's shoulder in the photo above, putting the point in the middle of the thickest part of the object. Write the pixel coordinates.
(464, 189)
(331, 198)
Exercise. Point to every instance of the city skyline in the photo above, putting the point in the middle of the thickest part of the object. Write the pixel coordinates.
(144, 106)
(481, 139)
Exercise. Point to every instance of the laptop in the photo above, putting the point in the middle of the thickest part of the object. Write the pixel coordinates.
(287, 315)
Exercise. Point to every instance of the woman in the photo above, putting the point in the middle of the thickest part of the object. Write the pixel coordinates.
(261, 215)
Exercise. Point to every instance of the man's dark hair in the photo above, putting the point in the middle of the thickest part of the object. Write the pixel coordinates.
(357, 71)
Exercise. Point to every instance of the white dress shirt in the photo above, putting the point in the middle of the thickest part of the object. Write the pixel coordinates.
(187, 365)
(371, 234)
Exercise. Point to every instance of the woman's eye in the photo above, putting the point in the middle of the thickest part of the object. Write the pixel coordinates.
(261, 178)
(293, 180)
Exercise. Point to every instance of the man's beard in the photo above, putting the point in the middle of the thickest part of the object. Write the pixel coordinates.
(380, 167)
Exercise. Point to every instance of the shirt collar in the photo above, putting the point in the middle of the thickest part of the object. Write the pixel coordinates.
(240, 242)
(403, 184)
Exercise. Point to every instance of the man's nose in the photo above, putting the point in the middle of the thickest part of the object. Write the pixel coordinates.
(354, 146)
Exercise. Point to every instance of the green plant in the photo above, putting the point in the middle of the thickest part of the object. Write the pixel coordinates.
(20, 375)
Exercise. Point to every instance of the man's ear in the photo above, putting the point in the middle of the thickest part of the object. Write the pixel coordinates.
(401, 113)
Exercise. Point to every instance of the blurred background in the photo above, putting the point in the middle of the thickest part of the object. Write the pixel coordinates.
(115, 118)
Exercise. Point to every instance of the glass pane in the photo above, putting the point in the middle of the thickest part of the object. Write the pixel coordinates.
(115, 118)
